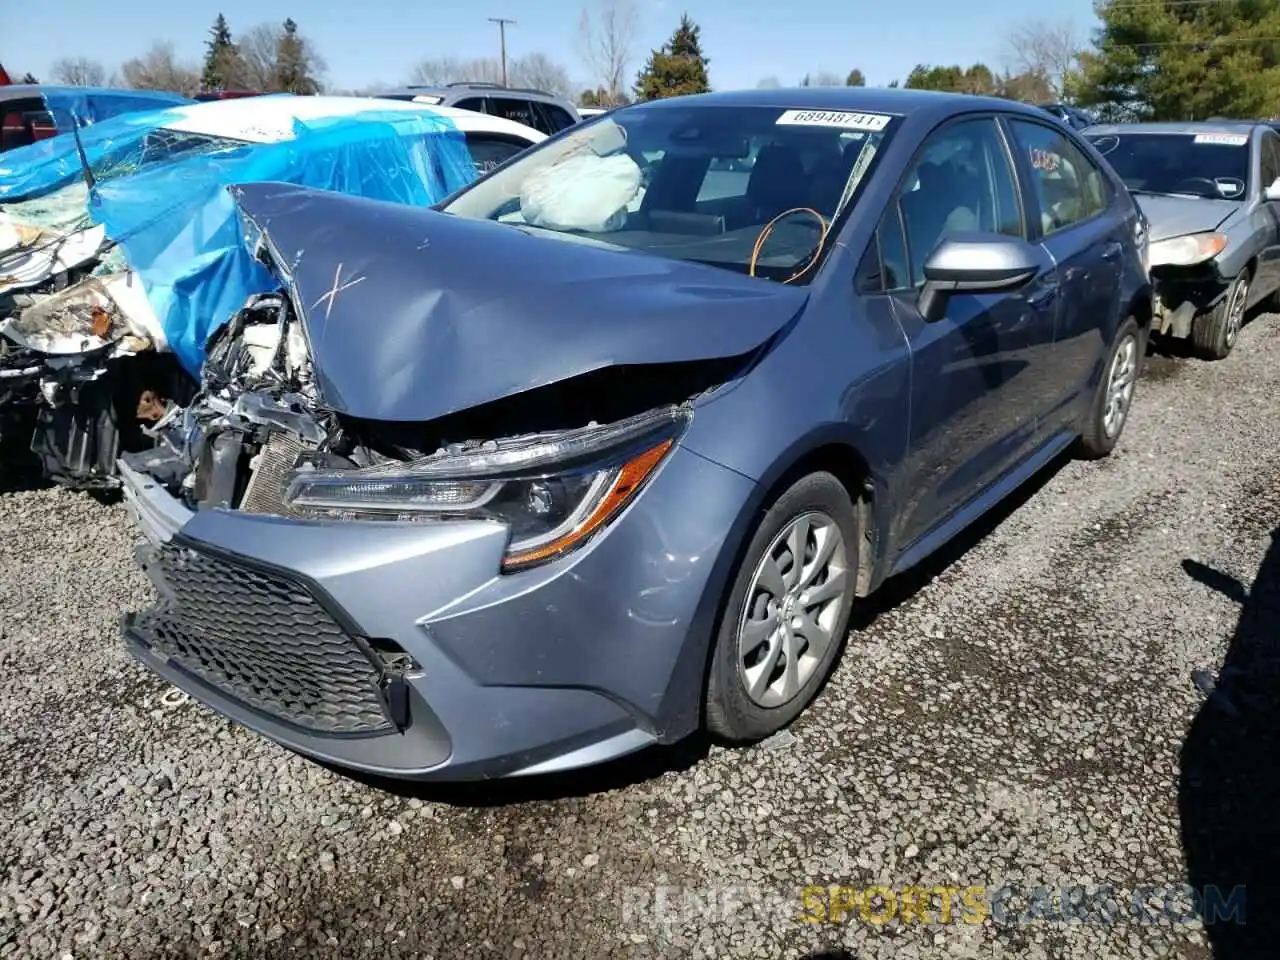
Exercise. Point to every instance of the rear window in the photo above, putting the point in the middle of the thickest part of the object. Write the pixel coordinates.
(489, 152)
(1210, 164)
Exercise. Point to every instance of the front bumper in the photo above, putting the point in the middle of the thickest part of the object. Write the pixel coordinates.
(570, 664)
(1182, 293)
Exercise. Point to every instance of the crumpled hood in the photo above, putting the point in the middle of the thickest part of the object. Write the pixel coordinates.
(413, 314)
(1177, 216)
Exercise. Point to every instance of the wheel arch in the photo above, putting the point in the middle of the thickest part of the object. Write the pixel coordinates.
(832, 449)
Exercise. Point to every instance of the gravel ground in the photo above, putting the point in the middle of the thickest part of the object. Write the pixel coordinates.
(1020, 714)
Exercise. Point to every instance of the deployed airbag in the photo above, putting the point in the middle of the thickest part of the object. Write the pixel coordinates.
(583, 192)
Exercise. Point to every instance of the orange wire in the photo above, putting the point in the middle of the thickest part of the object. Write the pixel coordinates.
(768, 229)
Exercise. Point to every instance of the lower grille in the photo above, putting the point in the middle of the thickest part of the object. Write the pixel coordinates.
(263, 639)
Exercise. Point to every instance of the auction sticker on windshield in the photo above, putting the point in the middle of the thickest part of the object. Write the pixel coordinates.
(1223, 139)
(872, 122)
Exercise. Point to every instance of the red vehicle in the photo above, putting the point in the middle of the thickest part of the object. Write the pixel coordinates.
(24, 117)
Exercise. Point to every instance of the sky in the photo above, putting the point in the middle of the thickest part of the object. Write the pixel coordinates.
(370, 41)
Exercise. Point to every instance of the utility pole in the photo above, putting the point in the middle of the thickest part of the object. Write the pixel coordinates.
(502, 38)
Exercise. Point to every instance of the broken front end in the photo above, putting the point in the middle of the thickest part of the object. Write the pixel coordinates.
(420, 522)
(82, 373)
(386, 595)
(1184, 293)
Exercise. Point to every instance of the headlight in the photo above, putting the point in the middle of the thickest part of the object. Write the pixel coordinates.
(1185, 251)
(552, 490)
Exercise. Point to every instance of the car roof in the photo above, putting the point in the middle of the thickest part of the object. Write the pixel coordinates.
(21, 91)
(871, 99)
(453, 89)
(1182, 127)
(269, 119)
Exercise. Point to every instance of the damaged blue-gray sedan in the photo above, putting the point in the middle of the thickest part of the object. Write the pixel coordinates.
(606, 446)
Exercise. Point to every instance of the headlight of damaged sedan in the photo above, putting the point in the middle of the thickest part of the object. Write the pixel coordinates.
(552, 490)
(1187, 250)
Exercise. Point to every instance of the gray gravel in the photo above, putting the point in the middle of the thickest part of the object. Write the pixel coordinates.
(1025, 717)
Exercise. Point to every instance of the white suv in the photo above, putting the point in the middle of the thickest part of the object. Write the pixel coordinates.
(534, 108)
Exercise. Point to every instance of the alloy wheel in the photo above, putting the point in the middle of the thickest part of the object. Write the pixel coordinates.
(1235, 311)
(1120, 383)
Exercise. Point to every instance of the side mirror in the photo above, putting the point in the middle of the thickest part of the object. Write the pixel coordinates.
(1272, 193)
(974, 263)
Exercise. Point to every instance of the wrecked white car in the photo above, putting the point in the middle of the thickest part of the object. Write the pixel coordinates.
(120, 253)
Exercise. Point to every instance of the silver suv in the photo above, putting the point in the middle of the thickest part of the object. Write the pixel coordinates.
(534, 108)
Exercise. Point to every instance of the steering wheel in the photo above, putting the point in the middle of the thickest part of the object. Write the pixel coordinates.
(1199, 185)
(767, 231)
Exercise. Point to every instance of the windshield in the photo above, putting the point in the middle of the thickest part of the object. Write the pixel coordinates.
(158, 146)
(750, 189)
(1214, 165)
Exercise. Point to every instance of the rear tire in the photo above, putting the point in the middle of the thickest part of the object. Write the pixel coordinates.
(1113, 397)
(785, 622)
(1214, 333)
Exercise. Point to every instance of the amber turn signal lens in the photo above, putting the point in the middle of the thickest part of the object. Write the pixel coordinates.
(615, 496)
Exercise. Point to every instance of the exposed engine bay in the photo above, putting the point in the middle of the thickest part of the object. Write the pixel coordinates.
(82, 368)
(259, 421)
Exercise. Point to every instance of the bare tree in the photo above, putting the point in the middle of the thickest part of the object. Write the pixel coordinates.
(1047, 49)
(823, 78)
(532, 70)
(258, 46)
(438, 71)
(539, 71)
(768, 83)
(79, 72)
(159, 69)
(608, 40)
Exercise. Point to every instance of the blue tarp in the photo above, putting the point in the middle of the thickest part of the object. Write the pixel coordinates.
(181, 232)
(47, 165)
(87, 105)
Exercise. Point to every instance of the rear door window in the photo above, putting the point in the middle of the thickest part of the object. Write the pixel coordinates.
(471, 103)
(557, 118)
(521, 111)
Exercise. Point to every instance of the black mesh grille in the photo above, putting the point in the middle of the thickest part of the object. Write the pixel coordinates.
(263, 639)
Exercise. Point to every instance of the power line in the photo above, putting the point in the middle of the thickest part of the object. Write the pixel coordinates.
(1140, 4)
(1214, 42)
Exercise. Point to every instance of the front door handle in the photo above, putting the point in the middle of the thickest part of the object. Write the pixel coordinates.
(1112, 251)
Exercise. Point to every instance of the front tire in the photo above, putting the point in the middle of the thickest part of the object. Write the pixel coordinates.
(1214, 333)
(1113, 398)
(787, 613)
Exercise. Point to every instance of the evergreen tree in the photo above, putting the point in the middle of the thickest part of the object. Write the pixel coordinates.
(293, 63)
(219, 58)
(678, 68)
(1183, 61)
(855, 78)
(28, 78)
